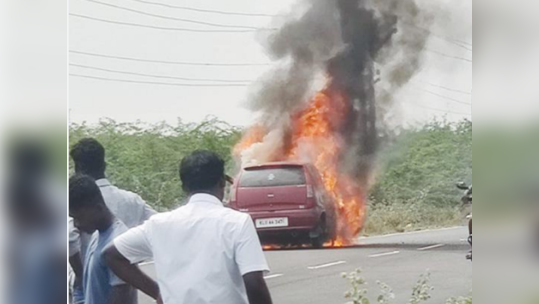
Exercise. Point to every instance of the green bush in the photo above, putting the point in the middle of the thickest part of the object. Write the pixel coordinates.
(422, 165)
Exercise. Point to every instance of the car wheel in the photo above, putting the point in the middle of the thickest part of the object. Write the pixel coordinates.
(321, 235)
(317, 242)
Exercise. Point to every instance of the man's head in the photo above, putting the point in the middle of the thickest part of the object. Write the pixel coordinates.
(89, 158)
(203, 172)
(86, 204)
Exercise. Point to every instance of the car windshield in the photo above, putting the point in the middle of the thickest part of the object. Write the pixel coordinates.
(272, 177)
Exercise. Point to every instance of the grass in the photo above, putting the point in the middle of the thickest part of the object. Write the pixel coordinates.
(398, 217)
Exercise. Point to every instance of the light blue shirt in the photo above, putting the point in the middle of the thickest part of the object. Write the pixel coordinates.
(98, 277)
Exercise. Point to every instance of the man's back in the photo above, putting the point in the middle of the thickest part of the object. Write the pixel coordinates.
(201, 251)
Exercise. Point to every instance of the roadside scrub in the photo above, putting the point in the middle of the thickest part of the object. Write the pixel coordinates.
(383, 219)
(418, 169)
(421, 291)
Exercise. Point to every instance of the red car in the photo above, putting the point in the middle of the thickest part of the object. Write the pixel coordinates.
(287, 201)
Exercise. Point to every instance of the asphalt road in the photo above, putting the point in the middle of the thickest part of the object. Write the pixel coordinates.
(308, 276)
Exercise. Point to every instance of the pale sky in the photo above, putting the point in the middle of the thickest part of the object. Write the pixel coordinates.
(93, 99)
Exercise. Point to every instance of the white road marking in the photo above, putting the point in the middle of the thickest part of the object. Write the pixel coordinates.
(383, 254)
(326, 265)
(273, 276)
(431, 247)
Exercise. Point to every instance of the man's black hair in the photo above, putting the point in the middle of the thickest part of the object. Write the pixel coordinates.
(201, 171)
(83, 192)
(89, 157)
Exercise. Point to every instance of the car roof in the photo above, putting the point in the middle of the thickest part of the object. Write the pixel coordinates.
(278, 164)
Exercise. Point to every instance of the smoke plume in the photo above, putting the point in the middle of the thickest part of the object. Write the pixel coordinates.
(368, 49)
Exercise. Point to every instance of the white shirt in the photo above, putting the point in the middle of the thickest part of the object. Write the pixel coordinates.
(74, 238)
(201, 252)
(127, 206)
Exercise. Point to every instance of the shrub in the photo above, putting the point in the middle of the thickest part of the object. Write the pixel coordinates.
(421, 291)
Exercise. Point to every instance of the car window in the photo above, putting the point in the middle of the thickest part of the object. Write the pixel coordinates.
(271, 177)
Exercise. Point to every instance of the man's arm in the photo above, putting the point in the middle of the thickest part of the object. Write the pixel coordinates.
(252, 263)
(130, 273)
(75, 259)
(122, 294)
(257, 290)
(76, 264)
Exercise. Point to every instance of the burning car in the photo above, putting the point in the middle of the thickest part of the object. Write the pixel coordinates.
(287, 201)
(326, 103)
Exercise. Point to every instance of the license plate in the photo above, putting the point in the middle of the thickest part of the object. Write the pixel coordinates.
(272, 222)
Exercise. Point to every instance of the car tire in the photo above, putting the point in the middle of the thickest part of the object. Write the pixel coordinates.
(318, 241)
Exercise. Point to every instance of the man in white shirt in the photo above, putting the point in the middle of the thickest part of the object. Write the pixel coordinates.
(88, 156)
(204, 253)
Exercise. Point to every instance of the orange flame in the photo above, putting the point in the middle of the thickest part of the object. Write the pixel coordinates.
(315, 138)
(254, 135)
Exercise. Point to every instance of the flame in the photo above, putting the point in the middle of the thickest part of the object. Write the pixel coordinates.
(271, 247)
(316, 139)
(254, 135)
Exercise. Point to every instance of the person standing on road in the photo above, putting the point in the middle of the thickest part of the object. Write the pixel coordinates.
(88, 156)
(90, 213)
(203, 252)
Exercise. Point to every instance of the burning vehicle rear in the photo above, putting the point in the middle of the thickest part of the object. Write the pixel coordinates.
(358, 47)
(287, 202)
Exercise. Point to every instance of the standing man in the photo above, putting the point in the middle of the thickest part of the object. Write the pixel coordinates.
(90, 213)
(89, 158)
(204, 253)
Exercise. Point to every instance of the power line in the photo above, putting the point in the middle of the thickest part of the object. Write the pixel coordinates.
(463, 42)
(456, 42)
(168, 62)
(158, 27)
(448, 56)
(440, 110)
(156, 76)
(158, 83)
(447, 88)
(445, 97)
(174, 18)
(205, 10)
(464, 46)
